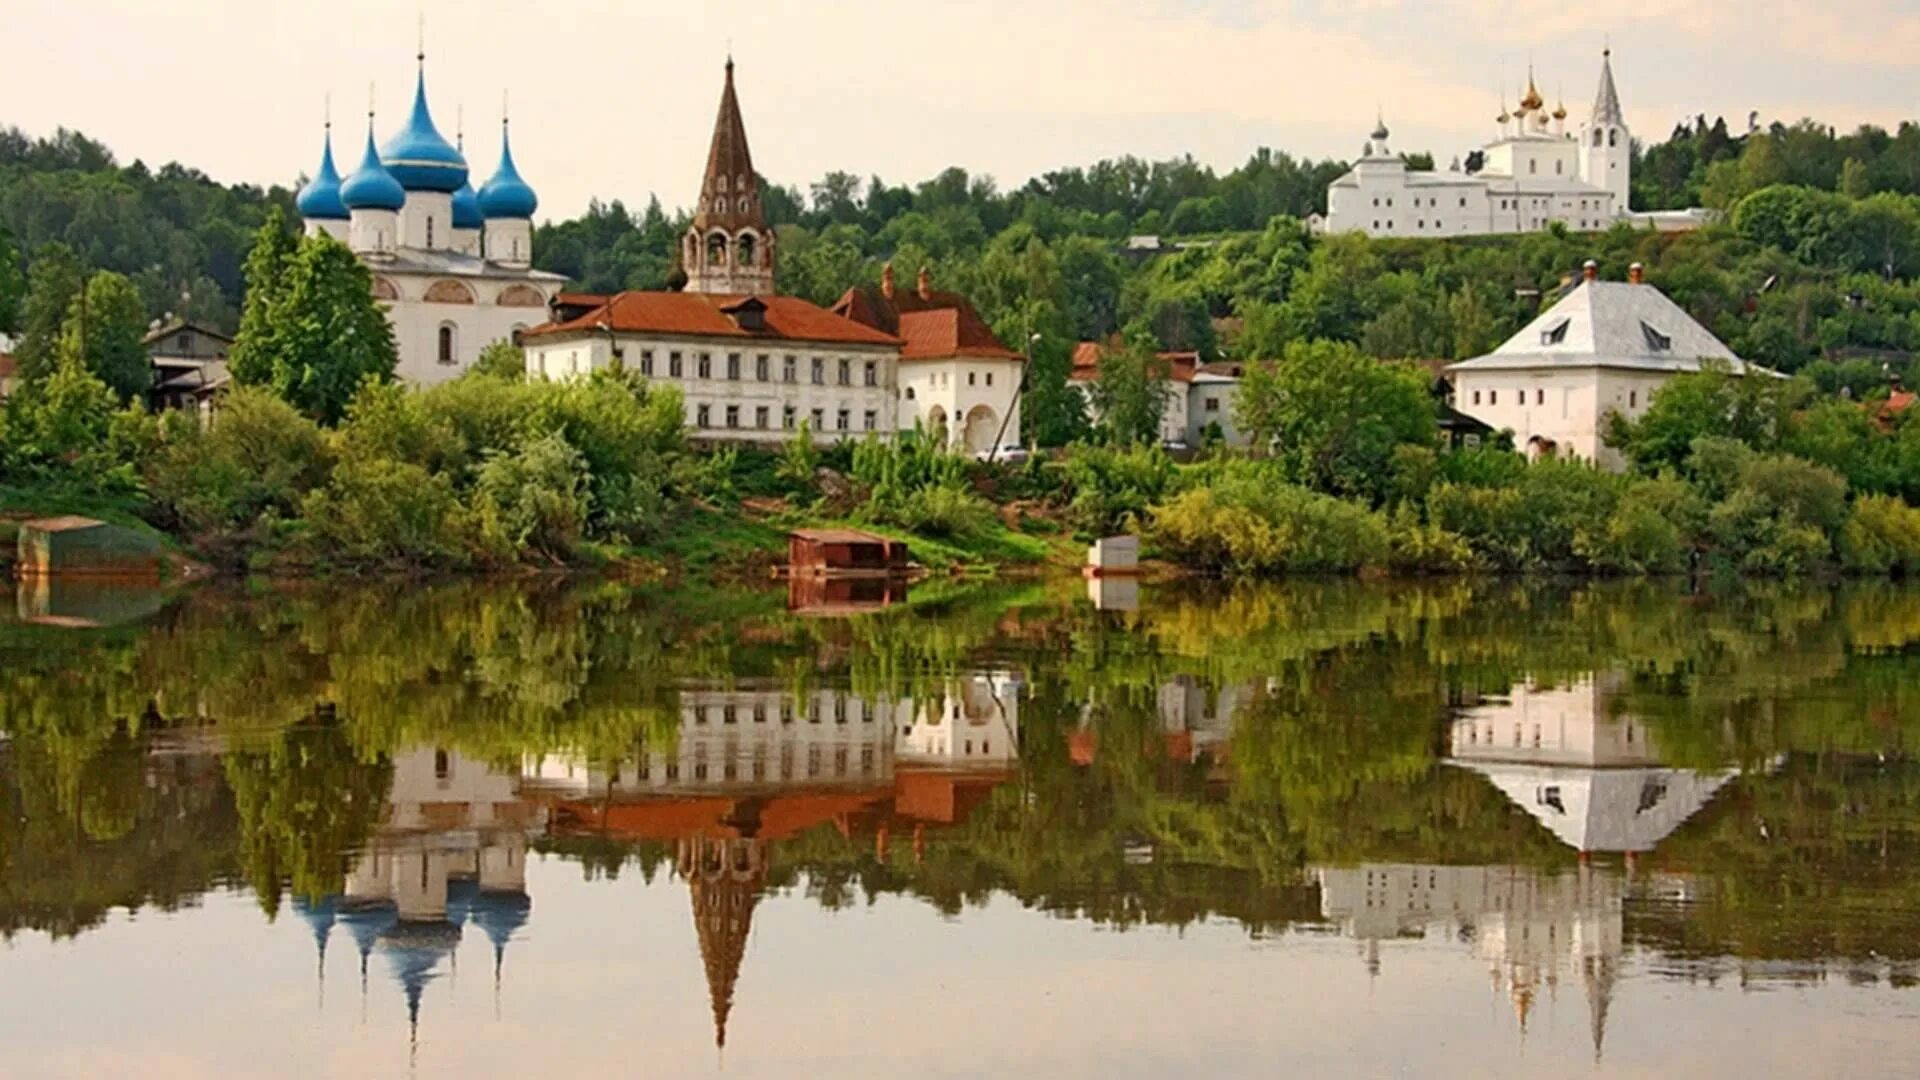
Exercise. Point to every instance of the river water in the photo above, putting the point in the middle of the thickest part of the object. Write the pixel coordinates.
(1457, 829)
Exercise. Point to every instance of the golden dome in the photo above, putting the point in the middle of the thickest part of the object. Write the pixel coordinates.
(1533, 100)
(1560, 111)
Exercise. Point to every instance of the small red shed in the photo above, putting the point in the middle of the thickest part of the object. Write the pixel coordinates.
(843, 551)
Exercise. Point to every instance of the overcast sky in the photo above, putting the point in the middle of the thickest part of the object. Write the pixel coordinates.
(616, 99)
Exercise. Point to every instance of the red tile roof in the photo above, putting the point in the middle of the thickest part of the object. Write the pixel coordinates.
(691, 314)
(1087, 354)
(935, 325)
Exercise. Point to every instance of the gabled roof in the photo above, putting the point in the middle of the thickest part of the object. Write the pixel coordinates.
(935, 325)
(176, 325)
(1181, 366)
(691, 314)
(1610, 324)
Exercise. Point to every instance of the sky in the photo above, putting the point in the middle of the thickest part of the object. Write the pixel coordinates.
(615, 99)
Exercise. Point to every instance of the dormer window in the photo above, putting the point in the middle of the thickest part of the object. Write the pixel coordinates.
(1656, 341)
(1555, 334)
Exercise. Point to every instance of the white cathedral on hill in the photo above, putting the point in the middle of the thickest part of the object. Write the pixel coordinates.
(453, 266)
(1535, 173)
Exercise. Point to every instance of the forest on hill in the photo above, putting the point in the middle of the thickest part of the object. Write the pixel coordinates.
(1813, 269)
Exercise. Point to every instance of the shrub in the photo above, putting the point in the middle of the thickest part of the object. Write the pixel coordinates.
(944, 511)
(1244, 523)
(260, 455)
(532, 499)
(60, 431)
(377, 510)
(1112, 488)
(1654, 528)
(1423, 548)
(1881, 536)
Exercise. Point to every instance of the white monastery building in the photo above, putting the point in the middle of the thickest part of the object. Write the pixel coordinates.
(754, 366)
(1606, 347)
(453, 266)
(1535, 173)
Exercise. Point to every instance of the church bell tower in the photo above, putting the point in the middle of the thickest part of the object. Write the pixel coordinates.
(1606, 146)
(729, 249)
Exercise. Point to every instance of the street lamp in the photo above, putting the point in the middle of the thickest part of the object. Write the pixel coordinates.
(1020, 387)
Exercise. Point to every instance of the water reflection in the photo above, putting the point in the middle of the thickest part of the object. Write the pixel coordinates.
(1631, 786)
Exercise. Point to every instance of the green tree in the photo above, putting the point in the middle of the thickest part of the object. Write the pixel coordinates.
(55, 280)
(105, 326)
(502, 360)
(1751, 409)
(254, 347)
(323, 337)
(1129, 392)
(13, 283)
(1335, 417)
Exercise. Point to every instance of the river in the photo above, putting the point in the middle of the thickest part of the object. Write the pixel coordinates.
(1464, 828)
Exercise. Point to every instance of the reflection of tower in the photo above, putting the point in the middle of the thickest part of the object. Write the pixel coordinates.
(1598, 973)
(415, 949)
(320, 915)
(725, 876)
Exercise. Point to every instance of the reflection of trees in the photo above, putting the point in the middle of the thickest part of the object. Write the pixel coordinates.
(1334, 756)
(306, 801)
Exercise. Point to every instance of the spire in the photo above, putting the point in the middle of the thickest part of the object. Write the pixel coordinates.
(419, 156)
(1606, 103)
(724, 877)
(1599, 976)
(321, 197)
(730, 191)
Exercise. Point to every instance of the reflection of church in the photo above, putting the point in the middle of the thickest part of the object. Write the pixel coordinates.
(752, 765)
(1532, 928)
(1591, 775)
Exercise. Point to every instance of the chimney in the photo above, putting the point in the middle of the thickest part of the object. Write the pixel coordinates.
(886, 281)
(1636, 274)
(925, 285)
(1590, 270)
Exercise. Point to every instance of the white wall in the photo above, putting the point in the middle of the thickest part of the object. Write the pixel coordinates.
(952, 391)
(819, 404)
(417, 321)
(1568, 406)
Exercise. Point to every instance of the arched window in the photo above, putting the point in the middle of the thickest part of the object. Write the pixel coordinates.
(717, 249)
(1613, 137)
(1596, 136)
(745, 250)
(447, 343)
(429, 231)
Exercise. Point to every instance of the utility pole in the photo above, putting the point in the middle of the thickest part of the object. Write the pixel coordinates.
(1020, 388)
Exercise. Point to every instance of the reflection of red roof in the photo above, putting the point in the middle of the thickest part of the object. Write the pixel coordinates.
(941, 798)
(788, 318)
(1083, 745)
(1087, 354)
(935, 325)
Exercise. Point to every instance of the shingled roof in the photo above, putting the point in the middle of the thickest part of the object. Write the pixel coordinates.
(934, 325)
(691, 314)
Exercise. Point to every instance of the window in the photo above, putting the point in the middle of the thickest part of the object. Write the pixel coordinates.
(1613, 137)
(1463, 202)
(1656, 341)
(1633, 399)
(786, 418)
(973, 378)
(184, 341)
(1213, 404)
(840, 420)
(1596, 136)
(870, 420)
(846, 373)
(446, 345)
(873, 374)
(705, 369)
(819, 371)
(1559, 168)
(1476, 397)
(1539, 397)
(907, 393)
(989, 378)
(1493, 397)
(819, 419)
(674, 366)
(429, 231)
(703, 416)
(760, 414)
(787, 369)
(1533, 167)
(733, 366)
(646, 362)
(760, 364)
(733, 416)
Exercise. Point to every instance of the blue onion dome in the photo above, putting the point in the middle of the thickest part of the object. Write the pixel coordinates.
(321, 197)
(372, 187)
(506, 195)
(419, 157)
(466, 209)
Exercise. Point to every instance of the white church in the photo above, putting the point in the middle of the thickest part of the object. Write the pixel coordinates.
(453, 266)
(1537, 172)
